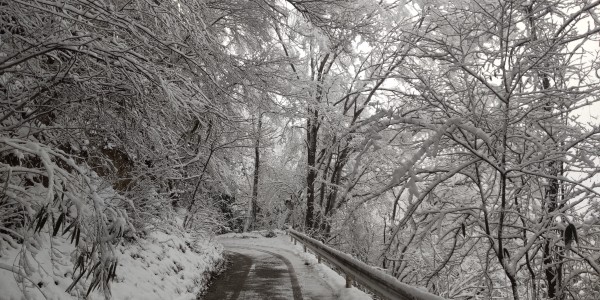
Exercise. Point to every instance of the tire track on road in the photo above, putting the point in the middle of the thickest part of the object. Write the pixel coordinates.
(234, 278)
(293, 277)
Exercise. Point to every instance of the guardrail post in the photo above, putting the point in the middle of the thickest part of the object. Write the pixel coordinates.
(319, 258)
(348, 281)
(295, 241)
(304, 248)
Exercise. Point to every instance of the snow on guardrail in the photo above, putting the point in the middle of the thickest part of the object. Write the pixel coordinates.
(378, 282)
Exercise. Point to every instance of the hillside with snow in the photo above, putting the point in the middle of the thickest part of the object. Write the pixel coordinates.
(157, 266)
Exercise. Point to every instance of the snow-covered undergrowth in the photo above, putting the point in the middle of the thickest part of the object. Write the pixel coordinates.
(155, 260)
(158, 266)
(65, 232)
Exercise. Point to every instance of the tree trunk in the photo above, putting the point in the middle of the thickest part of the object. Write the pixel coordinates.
(514, 286)
(312, 131)
(188, 216)
(553, 269)
(253, 207)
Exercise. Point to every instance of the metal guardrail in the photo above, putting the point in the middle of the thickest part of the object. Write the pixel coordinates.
(376, 281)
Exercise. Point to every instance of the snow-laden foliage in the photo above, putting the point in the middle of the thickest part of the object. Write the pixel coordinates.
(137, 94)
(465, 133)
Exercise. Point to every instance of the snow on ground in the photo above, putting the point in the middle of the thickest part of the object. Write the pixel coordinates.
(159, 266)
(337, 282)
(166, 267)
(305, 264)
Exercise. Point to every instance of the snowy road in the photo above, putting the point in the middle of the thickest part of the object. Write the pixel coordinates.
(256, 274)
(272, 268)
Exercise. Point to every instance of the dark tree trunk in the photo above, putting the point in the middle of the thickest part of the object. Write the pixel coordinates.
(187, 218)
(553, 269)
(251, 220)
(312, 132)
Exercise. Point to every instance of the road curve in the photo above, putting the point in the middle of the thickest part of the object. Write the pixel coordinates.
(268, 268)
(255, 274)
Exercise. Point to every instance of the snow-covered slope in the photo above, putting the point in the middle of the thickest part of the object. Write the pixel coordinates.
(159, 266)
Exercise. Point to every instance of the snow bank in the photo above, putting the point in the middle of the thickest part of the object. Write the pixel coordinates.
(166, 267)
(160, 266)
(252, 234)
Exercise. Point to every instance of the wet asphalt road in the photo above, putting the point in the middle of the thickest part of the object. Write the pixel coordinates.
(255, 274)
